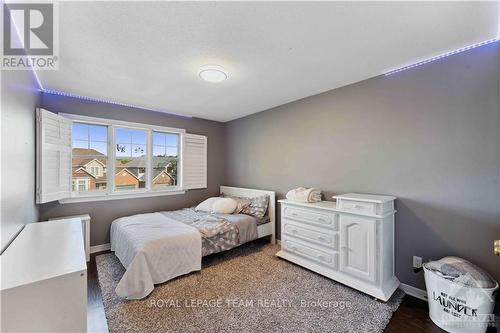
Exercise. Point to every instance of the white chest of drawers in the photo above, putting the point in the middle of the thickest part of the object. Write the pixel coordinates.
(350, 240)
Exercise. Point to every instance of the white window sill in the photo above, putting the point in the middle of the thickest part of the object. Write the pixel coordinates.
(118, 196)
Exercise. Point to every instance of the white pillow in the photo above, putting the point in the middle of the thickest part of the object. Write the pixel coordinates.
(207, 205)
(224, 206)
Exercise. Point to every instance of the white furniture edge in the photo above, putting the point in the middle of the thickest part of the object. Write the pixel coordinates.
(85, 218)
(413, 291)
(268, 229)
(377, 198)
(333, 208)
(118, 196)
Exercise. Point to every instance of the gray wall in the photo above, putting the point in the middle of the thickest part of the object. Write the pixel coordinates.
(20, 97)
(104, 212)
(430, 136)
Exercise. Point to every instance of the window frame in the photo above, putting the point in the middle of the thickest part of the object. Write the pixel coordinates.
(111, 193)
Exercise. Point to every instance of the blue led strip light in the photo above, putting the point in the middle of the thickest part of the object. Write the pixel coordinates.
(60, 93)
(85, 98)
(444, 55)
(470, 47)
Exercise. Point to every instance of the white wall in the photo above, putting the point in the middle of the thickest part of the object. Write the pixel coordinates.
(19, 97)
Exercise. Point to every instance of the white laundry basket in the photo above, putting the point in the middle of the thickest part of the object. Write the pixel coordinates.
(457, 308)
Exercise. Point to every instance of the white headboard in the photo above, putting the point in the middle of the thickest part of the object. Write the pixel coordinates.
(250, 193)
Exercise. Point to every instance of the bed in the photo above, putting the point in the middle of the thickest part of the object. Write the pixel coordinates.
(160, 246)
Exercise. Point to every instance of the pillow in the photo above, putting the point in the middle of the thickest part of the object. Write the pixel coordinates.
(257, 207)
(207, 205)
(242, 202)
(224, 206)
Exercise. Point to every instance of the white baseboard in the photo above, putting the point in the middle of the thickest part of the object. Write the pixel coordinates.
(412, 291)
(100, 248)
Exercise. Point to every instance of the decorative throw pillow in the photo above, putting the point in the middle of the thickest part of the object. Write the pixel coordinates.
(224, 206)
(207, 205)
(257, 207)
(242, 202)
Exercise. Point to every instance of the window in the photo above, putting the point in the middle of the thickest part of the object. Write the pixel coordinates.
(165, 159)
(89, 159)
(89, 156)
(80, 185)
(94, 171)
(131, 159)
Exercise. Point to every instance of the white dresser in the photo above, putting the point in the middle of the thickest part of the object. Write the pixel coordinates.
(44, 279)
(350, 240)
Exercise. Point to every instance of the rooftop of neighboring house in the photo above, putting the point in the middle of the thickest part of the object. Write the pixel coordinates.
(83, 156)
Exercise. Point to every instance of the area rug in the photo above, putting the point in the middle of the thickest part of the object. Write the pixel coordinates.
(247, 289)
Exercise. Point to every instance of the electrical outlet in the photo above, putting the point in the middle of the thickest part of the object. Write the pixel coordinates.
(417, 262)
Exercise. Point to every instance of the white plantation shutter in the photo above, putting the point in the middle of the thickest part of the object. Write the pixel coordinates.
(194, 161)
(53, 157)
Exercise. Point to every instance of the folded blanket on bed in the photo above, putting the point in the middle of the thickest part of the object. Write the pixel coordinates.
(303, 194)
(153, 248)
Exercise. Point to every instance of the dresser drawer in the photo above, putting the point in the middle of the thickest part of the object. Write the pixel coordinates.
(307, 234)
(360, 207)
(322, 257)
(312, 217)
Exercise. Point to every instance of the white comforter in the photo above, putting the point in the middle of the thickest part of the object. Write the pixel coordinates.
(153, 248)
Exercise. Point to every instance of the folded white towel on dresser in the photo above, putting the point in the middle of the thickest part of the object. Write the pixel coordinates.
(302, 194)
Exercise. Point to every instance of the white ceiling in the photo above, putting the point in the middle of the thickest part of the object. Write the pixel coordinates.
(148, 53)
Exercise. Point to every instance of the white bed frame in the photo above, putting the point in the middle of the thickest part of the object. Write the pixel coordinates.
(263, 230)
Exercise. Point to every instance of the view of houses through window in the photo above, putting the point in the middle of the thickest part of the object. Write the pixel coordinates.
(165, 157)
(131, 153)
(90, 158)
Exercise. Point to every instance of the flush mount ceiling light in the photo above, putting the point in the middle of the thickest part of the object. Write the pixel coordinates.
(213, 73)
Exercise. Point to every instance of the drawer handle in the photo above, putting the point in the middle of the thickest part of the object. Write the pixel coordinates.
(359, 207)
(321, 219)
(294, 231)
(294, 214)
(322, 239)
(294, 248)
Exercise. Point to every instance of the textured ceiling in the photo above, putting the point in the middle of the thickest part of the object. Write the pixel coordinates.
(148, 53)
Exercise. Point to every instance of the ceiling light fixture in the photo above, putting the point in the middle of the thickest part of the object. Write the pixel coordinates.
(213, 73)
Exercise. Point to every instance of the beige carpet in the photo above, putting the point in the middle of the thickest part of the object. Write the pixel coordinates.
(246, 289)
